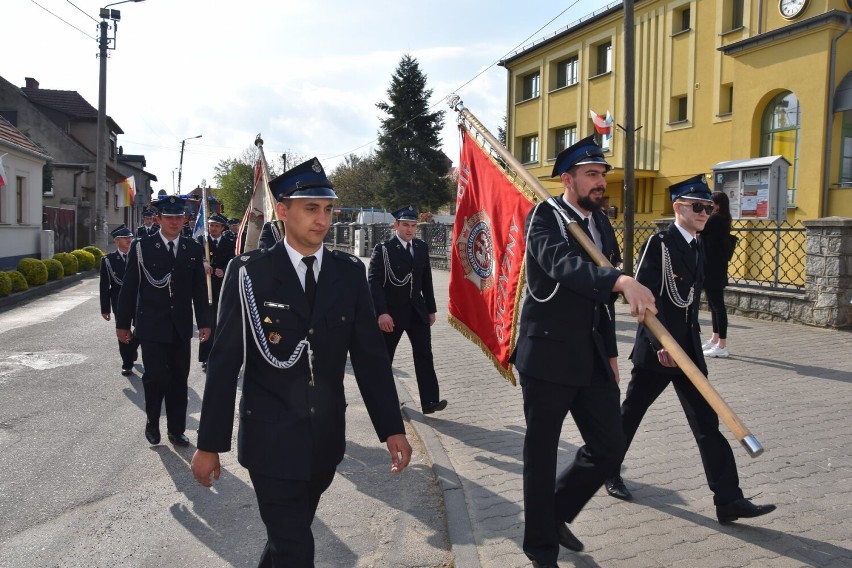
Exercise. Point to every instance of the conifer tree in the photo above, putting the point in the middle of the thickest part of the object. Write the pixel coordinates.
(414, 169)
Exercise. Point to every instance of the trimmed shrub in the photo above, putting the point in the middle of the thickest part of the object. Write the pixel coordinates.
(54, 269)
(68, 261)
(33, 270)
(96, 252)
(5, 284)
(19, 283)
(85, 259)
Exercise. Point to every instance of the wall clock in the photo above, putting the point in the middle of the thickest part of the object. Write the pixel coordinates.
(791, 9)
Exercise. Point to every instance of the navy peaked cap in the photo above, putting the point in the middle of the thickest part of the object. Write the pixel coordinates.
(305, 180)
(586, 151)
(148, 213)
(171, 205)
(216, 218)
(407, 213)
(692, 188)
(121, 231)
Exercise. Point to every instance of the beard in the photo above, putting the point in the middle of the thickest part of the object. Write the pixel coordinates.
(589, 204)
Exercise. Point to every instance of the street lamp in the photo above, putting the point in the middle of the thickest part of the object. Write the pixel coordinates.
(104, 43)
(180, 168)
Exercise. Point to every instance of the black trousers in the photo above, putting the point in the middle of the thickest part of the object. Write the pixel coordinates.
(287, 508)
(420, 336)
(718, 312)
(548, 498)
(716, 454)
(129, 352)
(165, 378)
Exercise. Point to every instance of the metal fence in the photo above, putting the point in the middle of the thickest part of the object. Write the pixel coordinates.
(767, 255)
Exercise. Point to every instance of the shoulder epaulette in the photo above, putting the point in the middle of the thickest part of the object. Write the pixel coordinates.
(251, 256)
(346, 257)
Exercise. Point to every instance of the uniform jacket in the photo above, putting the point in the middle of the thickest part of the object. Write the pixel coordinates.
(269, 235)
(715, 240)
(111, 283)
(220, 255)
(157, 314)
(682, 323)
(399, 301)
(559, 339)
(288, 427)
(144, 231)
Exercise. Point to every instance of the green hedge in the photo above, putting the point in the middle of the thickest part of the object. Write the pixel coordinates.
(19, 283)
(54, 269)
(5, 284)
(85, 259)
(96, 252)
(33, 270)
(69, 263)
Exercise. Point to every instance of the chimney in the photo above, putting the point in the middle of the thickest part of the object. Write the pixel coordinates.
(31, 83)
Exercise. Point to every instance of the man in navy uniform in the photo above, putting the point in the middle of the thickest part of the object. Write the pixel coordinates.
(221, 247)
(270, 234)
(288, 317)
(672, 266)
(113, 266)
(149, 226)
(163, 282)
(566, 354)
(400, 279)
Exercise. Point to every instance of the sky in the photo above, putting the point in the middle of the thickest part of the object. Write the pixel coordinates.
(305, 74)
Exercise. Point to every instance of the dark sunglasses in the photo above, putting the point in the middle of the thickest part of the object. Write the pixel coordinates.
(699, 207)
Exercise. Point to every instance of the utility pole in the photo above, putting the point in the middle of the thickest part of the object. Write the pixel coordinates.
(629, 134)
(180, 169)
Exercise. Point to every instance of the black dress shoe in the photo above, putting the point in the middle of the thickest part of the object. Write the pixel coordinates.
(152, 435)
(127, 371)
(434, 407)
(615, 487)
(178, 439)
(741, 509)
(204, 366)
(539, 565)
(567, 538)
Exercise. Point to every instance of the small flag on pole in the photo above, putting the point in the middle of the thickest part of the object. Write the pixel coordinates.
(198, 230)
(125, 192)
(603, 125)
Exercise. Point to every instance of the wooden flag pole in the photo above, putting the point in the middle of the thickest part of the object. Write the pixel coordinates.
(693, 373)
(203, 210)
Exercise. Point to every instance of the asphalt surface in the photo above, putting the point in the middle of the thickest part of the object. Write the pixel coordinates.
(80, 487)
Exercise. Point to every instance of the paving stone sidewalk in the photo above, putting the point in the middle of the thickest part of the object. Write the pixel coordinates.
(791, 385)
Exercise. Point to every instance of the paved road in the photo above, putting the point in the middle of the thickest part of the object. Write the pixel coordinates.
(792, 387)
(80, 486)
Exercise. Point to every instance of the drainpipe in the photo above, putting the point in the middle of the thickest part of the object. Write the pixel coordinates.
(829, 131)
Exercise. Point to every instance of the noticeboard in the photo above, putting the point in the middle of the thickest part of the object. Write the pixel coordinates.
(756, 188)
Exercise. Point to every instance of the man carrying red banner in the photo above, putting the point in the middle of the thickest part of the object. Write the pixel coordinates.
(566, 353)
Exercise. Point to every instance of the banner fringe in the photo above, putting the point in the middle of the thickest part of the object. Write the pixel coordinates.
(471, 336)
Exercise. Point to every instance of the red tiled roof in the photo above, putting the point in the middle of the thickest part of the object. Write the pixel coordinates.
(14, 137)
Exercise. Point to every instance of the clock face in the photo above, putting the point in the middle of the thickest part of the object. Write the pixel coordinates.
(792, 8)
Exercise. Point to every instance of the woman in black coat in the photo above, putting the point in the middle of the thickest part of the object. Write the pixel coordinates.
(717, 243)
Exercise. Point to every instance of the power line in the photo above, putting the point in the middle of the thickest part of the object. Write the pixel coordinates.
(465, 84)
(83, 11)
(64, 21)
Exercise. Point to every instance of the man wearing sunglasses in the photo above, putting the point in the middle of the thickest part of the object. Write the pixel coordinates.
(672, 267)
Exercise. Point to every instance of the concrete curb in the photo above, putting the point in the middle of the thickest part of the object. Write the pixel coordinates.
(459, 525)
(35, 292)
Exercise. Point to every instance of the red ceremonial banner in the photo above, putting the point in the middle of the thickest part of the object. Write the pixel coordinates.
(487, 264)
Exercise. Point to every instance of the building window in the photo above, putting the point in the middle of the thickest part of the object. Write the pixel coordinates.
(779, 135)
(736, 14)
(846, 150)
(531, 86)
(678, 109)
(681, 20)
(529, 149)
(564, 137)
(726, 99)
(603, 58)
(566, 72)
(20, 185)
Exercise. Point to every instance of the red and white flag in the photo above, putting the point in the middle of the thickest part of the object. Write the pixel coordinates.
(603, 124)
(2, 172)
(487, 263)
(261, 207)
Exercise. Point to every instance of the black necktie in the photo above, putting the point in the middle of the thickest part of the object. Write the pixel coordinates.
(172, 248)
(310, 280)
(408, 249)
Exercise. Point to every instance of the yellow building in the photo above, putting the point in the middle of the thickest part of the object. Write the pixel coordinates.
(716, 80)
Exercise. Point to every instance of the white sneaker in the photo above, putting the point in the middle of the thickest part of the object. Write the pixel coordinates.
(716, 351)
(707, 345)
